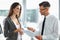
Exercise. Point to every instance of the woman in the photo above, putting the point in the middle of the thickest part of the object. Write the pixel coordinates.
(12, 27)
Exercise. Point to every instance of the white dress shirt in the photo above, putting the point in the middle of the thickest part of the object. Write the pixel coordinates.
(50, 28)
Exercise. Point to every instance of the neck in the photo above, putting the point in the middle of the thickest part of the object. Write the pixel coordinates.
(13, 16)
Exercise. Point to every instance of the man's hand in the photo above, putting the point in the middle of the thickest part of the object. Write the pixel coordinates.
(31, 29)
(39, 37)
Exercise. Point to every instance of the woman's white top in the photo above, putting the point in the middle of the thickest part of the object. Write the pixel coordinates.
(19, 36)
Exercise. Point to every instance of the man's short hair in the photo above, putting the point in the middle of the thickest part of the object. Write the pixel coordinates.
(45, 4)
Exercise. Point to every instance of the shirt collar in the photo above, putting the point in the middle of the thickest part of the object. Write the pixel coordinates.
(48, 15)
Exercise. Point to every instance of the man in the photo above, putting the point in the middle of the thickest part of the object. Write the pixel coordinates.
(48, 29)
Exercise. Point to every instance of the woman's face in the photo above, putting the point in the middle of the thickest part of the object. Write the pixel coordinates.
(17, 10)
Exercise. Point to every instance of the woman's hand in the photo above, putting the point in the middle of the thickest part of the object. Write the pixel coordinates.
(16, 30)
(31, 29)
(20, 30)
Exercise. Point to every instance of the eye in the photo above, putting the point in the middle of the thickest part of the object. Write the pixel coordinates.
(20, 8)
(17, 8)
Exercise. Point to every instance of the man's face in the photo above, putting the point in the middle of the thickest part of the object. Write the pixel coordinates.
(43, 10)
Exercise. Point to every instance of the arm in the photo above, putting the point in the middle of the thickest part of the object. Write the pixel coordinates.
(6, 29)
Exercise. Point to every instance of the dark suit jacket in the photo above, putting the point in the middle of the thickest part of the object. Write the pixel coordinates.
(0, 29)
(9, 28)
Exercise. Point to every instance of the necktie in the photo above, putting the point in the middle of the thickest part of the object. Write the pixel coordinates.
(43, 26)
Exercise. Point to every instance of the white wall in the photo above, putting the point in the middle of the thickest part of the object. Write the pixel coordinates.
(5, 4)
(54, 9)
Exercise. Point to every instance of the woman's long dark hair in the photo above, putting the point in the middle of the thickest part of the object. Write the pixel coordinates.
(11, 11)
(12, 7)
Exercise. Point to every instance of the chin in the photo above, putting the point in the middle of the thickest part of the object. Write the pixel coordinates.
(41, 14)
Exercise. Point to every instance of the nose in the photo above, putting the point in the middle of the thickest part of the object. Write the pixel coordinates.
(40, 11)
(18, 10)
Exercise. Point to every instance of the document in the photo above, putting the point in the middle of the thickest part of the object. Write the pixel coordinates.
(30, 33)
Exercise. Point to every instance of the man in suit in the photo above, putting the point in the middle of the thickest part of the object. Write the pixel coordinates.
(48, 29)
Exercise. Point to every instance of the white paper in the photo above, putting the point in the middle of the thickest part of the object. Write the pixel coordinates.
(30, 33)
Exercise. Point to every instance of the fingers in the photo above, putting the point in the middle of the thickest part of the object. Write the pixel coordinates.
(39, 37)
(31, 29)
(15, 30)
(21, 32)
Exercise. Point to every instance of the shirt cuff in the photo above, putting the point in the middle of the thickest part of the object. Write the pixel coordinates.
(44, 37)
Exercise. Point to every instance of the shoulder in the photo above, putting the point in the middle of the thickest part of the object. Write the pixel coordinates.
(53, 17)
(6, 19)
